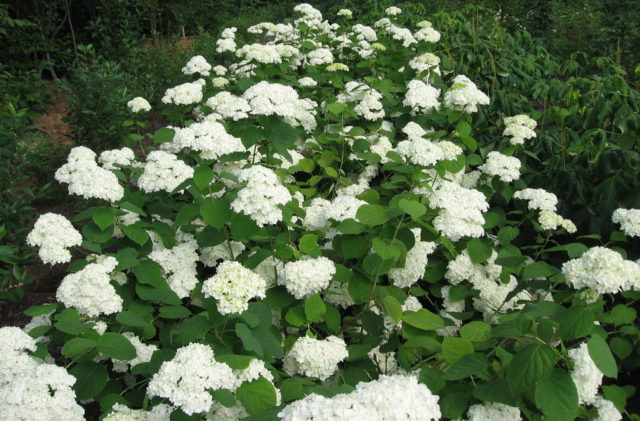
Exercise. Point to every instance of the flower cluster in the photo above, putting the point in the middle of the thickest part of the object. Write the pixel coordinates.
(139, 104)
(197, 64)
(85, 178)
(163, 171)
(506, 168)
(465, 95)
(602, 270)
(233, 286)
(54, 234)
(519, 128)
(307, 277)
(398, 398)
(629, 220)
(315, 358)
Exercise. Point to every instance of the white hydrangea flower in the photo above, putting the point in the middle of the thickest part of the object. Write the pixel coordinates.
(100, 327)
(229, 32)
(585, 374)
(392, 11)
(550, 220)
(419, 151)
(320, 56)
(425, 62)
(368, 100)
(629, 220)
(266, 98)
(85, 178)
(507, 168)
(228, 105)
(139, 104)
(32, 390)
(178, 262)
(402, 34)
(493, 411)
(607, 411)
(186, 379)
(54, 234)
(233, 286)
(220, 70)
(461, 209)
(449, 149)
(415, 263)
(343, 207)
(163, 171)
(602, 270)
(345, 12)
(197, 64)
(218, 412)
(261, 53)
(427, 34)
(364, 33)
(89, 290)
(315, 358)
(464, 95)
(519, 127)
(396, 397)
(220, 82)
(225, 45)
(316, 218)
(185, 94)
(260, 198)
(337, 67)
(307, 82)
(208, 137)
(538, 199)
(421, 97)
(144, 353)
(449, 306)
(160, 412)
(304, 278)
(123, 156)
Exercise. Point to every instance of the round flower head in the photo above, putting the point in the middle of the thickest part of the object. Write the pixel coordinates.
(185, 94)
(629, 220)
(506, 168)
(315, 358)
(464, 95)
(519, 128)
(538, 199)
(139, 104)
(346, 13)
(233, 286)
(163, 171)
(54, 233)
(197, 64)
(304, 278)
(393, 11)
(602, 270)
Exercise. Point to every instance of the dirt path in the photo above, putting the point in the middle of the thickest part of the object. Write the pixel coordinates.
(50, 123)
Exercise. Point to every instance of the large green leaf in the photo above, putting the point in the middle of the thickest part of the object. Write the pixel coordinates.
(423, 319)
(602, 356)
(215, 212)
(91, 378)
(556, 395)
(116, 346)
(529, 365)
(257, 396)
(466, 366)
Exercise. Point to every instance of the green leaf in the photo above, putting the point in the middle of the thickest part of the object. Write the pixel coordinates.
(538, 270)
(192, 329)
(41, 310)
(529, 365)
(455, 348)
(412, 207)
(174, 312)
(463, 128)
(575, 322)
(235, 361)
(91, 378)
(432, 378)
(393, 308)
(507, 234)
(350, 226)
(257, 396)
(225, 397)
(103, 217)
(314, 308)
(77, 346)
(353, 246)
(423, 319)
(163, 135)
(215, 212)
(372, 214)
(476, 331)
(556, 395)
(479, 251)
(513, 328)
(149, 272)
(127, 258)
(129, 318)
(495, 390)
(309, 245)
(249, 342)
(337, 107)
(466, 366)
(619, 315)
(135, 233)
(602, 356)
(281, 135)
(202, 177)
(116, 346)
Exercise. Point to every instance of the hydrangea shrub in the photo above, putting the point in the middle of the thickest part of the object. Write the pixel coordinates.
(317, 235)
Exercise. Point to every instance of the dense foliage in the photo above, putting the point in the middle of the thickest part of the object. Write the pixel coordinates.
(338, 223)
